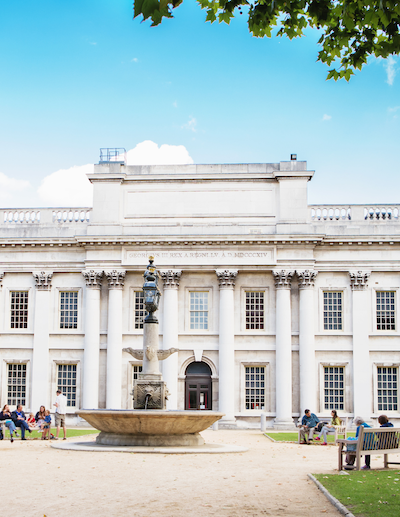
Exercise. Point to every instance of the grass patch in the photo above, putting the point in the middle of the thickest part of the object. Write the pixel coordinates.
(292, 437)
(368, 493)
(70, 433)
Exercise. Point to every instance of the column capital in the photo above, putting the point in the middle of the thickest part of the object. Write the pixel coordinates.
(170, 278)
(115, 279)
(359, 280)
(283, 278)
(306, 278)
(43, 280)
(93, 278)
(226, 277)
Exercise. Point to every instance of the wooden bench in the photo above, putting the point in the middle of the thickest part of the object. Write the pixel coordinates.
(381, 440)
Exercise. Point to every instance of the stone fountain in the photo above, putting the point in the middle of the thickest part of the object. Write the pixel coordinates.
(149, 424)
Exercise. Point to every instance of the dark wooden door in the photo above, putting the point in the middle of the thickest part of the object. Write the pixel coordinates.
(198, 392)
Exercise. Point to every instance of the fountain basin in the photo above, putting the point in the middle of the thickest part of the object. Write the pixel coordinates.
(149, 428)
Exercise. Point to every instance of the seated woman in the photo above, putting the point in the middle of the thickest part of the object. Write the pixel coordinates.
(329, 428)
(351, 458)
(39, 417)
(6, 415)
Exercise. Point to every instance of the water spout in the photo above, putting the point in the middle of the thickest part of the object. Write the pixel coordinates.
(148, 397)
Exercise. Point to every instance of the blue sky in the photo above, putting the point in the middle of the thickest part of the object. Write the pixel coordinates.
(80, 75)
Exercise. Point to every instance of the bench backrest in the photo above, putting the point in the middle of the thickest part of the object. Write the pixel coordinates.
(380, 439)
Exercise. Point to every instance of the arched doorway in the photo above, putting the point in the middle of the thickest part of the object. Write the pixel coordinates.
(198, 393)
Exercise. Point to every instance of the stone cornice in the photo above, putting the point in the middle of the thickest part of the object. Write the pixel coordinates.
(359, 280)
(306, 278)
(283, 278)
(115, 279)
(226, 277)
(93, 278)
(43, 280)
(170, 278)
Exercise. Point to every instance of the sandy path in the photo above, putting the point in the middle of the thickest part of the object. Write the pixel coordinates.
(269, 479)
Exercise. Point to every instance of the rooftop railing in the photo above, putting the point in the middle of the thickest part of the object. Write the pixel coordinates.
(46, 216)
(355, 213)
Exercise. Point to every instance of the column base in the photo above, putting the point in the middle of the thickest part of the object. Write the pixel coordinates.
(284, 424)
(227, 422)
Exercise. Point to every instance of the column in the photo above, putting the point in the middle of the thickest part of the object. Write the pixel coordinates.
(306, 341)
(226, 362)
(283, 354)
(40, 359)
(362, 374)
(114, 339)
(170, 333)
(91, 354)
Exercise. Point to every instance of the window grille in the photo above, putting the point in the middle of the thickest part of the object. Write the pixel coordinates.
(66, 381)
(140, 309)
(19, 309)
(332, 310)
(16, 384)
(199, 310)
(385, 310)
(334, 388)
(68, 310)
(255, 387)
(387, 388)
(254, 310)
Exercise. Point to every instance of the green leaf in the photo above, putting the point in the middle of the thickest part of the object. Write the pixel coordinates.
(149, 6)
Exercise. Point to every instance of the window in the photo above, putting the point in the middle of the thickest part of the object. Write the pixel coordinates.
(334, 387)
(19, 309)
(332, 310)
(66, 381)
(254, 310)
(16, 384)
(68, 309)
(255, 387)
(387, 388)
(199, 310)
(140, 309)
(385, 310)
(136, 369)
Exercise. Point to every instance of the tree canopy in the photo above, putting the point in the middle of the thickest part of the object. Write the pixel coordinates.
(351, 31)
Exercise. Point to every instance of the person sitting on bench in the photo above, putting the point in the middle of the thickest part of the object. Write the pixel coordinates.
(308, 423)
(329, 428)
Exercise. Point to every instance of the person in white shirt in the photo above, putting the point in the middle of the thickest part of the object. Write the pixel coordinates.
(61, 409)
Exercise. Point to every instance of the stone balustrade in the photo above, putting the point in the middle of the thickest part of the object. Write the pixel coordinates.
(46, 216)
(355, 213)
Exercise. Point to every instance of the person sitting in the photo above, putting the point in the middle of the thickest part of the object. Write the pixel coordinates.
(19, 419)
(351, 458)
(5, 414)
(31, 421)
(386, 440)
(39, 417)
(384, 421)
(308, 423)
(46, 425)
(329, 428)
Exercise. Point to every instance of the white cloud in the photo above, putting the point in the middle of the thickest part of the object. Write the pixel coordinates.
(134, 60)
(92, 43)
(175, 104)
(190, 125)
(393, 110)
(71, 188)
(10, 186)
(390, 69)
(326, 117)
(148, 153)
(67, 187)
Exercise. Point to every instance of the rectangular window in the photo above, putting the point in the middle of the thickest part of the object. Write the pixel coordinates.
(332, 310)
(255, 387)
(66, 381)
(199, 310)
(387, 388)
(68, 309)
(254, 310)
(16, 384)
(334, 388)
(19, 309)
(136, 369)
(385, 310)
(140, 309)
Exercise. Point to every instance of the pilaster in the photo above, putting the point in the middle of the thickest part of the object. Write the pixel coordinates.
(171, 278)
(226, 361)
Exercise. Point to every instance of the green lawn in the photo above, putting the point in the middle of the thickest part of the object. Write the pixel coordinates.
(292, 437)
(70, 433)
(371, 493)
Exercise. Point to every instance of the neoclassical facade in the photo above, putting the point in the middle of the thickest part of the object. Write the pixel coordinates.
(275, 305)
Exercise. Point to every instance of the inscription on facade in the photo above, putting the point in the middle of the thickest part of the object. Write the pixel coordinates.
(201, 257)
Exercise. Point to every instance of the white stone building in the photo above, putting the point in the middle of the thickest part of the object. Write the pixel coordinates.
(275, 305)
